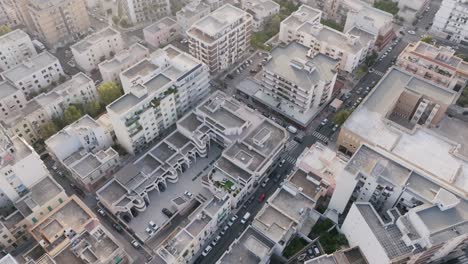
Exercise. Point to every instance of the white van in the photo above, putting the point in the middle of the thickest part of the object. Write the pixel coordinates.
(245, 218)
(292, 129)
(207, 251)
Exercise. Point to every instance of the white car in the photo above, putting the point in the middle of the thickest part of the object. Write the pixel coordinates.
(411, 32)
(149, 231)
(206, 251)
(189, 194)
(135, 244)
(215, 241)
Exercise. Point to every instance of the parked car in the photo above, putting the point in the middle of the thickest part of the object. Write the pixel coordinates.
(261, 198)
(207, 251)
(149, 231)
(135, 244)
(153, 225)
(167, 212)
(117, 227)
(215, 241)
(282, 163)
(225, 229)
(324, 122)
(189, 194)
(101, 212)
(265, 182)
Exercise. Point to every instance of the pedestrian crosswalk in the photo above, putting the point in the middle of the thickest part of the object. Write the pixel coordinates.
(290, 146)
(320, 136)
(463, 259)
(290, 159)
(379, 73)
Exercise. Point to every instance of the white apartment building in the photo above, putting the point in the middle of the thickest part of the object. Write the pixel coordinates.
(437, 64)
(158, 90)
(367, 18)
(190, 14)
(12, 99)
(139, 11)
(261, 10)
(161, 32)
(34, 74)
(222, 38)
(96, 48)
(214, 4)
(28, 121)
(84, 149)
(450, 22)
(296, 82)
(20, 168)
(15, 47)
(111, 69)
(350, 48)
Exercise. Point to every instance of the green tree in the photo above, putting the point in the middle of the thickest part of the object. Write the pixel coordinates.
(387, 6)
(116, 20)
(48, 130)
(93, 108)
(371, 59)
(109, 91)
(4, 29)
(427, 39)
(341, 116)
(332, 24)
(71, 114)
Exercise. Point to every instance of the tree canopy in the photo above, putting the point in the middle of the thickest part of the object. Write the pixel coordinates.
(108, 92)
(341, 116)
(48, 130)
(4, 29)
(387, 6)
(71, 114)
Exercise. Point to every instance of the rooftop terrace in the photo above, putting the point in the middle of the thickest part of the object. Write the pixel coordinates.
(30, 66)
(85, 44)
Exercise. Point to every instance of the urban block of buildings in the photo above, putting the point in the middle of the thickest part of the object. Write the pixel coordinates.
(110, 69)
(410, 10)
(96, 48)
(450, 21)
(404, 187)
(15, 47)
(261, 11)
(191, 13)
(295, 82)
(161, 32)
(221, 38)
(35, 74)
(437, 64)
(28, 121)
(158, 90)
(84, 149)
(143, 11)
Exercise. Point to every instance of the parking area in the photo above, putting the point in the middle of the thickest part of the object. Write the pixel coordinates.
(173, 197)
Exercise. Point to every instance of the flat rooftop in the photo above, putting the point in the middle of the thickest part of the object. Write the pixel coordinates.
(163, 23)
(39, 194)
(157, 83)
(142, 68)
(250, 248)
(112, 192)
(291, 202)
(209, 26)
(436, 220)
(307, 181)
(124, 57)
(85, 44)
(300, 16)
(292, 63)
(13, 36)
(7, 89)
(330, 36)
(389, 237)
(30, 66)
(125, 103)
(266, 138)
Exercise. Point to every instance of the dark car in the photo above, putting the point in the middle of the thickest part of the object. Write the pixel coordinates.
(117, 227)
(167, 212)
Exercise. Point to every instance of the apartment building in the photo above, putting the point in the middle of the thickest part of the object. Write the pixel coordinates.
(296, 82)
(437, 64)
(250, 247)
(261, 11)
(20, 168)
(158, 90)
(222, 38)
(407, 170)
(110, 69)
(450, 21)
(191, 13)
(28, 121)
(161, 32)
(350, 48)
(343, 256)
(214, 4)
(84, 149)
(72, 233)
(251, 143)
(367, 18)
(8, 14)
(411, 10)
(58, 22)
(39, 72)
(96, 48)
(15, 47)
(12, 99)
(139, 11)
(42, 197)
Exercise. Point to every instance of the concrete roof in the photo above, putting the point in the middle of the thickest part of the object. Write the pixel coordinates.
(331, 36)
(13, 36)
(30, 66)
(303, 14)
(437, 220)
(7, 89)
(125, 103)
(85, 44)
(290, 62)
(124, 57)
(163, 23)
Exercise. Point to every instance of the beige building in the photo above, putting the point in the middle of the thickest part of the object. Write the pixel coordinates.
(110, 69)
(222, 38)
(15, 47)
(437, 64)
(58, 22)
